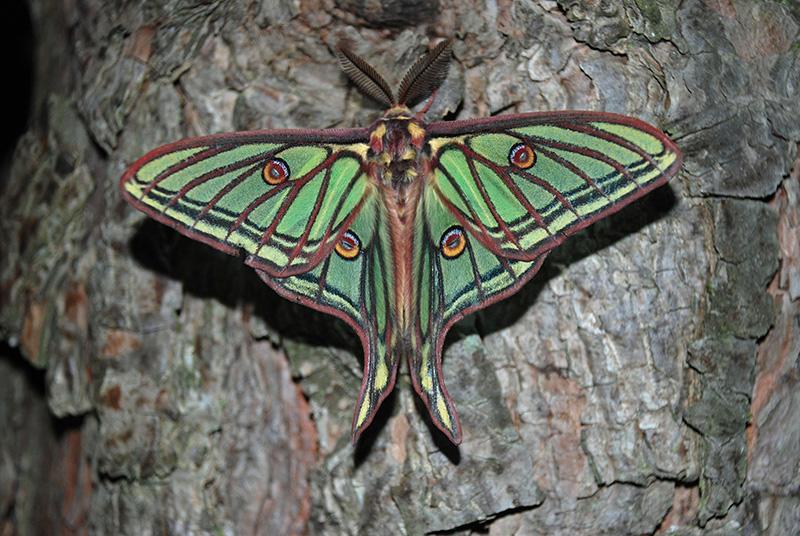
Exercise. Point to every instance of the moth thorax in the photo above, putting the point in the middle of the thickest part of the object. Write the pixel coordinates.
(395, 144)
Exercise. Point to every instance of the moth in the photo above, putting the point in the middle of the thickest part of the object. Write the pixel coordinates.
(402, 228)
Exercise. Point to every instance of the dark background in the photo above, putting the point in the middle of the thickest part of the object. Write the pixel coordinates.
(16, 39)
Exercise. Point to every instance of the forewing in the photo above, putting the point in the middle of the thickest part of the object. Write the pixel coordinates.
(581, 167)
(449, 287)
(358, 289)
(284, 198)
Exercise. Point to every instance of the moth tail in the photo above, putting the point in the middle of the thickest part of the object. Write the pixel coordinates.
(380, 373)
(425, 366)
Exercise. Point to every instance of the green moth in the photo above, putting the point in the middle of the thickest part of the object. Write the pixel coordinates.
(402, 228)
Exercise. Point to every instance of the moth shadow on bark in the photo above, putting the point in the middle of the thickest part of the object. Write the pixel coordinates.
(597, 237)
(210, 274)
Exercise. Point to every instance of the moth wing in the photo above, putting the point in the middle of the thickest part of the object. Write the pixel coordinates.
(457, 275)
(355, 284)
(521, 184)
(284, 198)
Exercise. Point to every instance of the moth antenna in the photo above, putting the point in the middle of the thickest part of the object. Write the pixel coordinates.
(364, 75)
(426, 74)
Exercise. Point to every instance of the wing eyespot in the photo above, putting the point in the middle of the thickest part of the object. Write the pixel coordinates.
(522, 156)
(276, 171)
(453, 242)
(349, 246)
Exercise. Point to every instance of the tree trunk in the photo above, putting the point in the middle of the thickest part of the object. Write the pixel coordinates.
(646, 380)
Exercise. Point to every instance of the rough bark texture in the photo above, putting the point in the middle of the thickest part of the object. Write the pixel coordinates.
(645, 382)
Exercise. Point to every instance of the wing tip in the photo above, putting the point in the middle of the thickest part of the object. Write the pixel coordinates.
(443, 404)
(453, 435)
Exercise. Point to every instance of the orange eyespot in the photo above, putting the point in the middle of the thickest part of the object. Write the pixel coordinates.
(453, 243)
(276, 171)
(349, 246)
(522, 156)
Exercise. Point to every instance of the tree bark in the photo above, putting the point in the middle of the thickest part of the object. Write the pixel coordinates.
(644, 382)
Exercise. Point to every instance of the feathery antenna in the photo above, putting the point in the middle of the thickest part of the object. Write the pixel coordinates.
(426, 74)
(364, 75)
